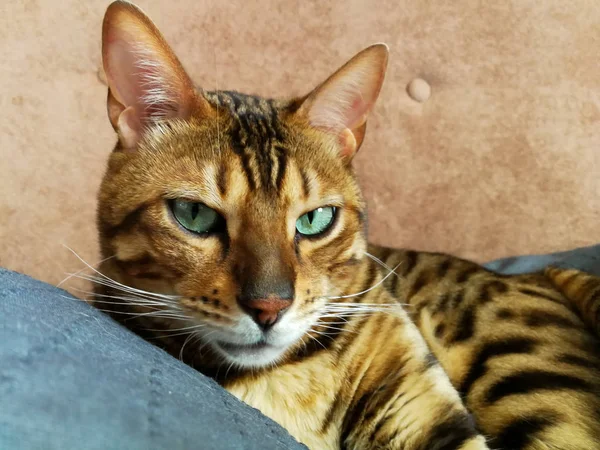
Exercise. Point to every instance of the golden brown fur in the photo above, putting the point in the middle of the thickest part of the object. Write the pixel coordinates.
(343, 365)
(583, 291)
(514, 347)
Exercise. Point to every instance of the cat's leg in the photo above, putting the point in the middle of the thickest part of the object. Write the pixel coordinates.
(404, 399)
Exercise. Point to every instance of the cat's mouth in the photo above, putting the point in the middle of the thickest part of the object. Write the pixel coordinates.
(232, 348)
(257, 354)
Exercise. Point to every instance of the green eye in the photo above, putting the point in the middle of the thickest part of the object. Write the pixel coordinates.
(315, 221)
(196, 217)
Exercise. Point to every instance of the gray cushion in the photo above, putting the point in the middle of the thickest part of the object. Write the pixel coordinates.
(585, 258)
(71, 378)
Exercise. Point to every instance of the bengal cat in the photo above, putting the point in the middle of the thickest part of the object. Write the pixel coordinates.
(233, 229)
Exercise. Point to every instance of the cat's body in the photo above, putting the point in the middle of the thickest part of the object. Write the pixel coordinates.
(236, 229)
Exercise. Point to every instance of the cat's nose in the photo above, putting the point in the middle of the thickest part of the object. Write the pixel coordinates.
(266, 311)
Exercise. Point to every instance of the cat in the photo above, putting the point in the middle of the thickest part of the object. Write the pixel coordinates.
(234, 236)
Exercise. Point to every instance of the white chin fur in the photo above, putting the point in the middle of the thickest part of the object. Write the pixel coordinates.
(251, 358)
(237, 348)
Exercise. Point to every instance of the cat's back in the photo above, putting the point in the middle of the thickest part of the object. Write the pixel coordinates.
(515, 348)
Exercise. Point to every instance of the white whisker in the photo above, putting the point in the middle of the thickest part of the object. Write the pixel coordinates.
(69, 276)
(392, 272)
(120, 285)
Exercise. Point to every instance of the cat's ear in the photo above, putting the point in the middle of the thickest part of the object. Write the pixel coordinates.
(147, 83)
(341, 104)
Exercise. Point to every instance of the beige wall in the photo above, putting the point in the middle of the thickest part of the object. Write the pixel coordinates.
(503, 158)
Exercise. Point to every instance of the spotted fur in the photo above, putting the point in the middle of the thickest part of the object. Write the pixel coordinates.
(362, 356)
(515, 348)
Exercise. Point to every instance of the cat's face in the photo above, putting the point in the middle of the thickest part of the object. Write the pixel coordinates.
(244, 211)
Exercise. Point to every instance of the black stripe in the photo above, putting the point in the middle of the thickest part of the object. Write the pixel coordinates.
(451, 433)
(353, 418)
(533, 380)
(465, 326)
(489, 289)
(419, 284)
(129, 221)
(466, 274)
(592, 302)
(505, 313)
(239, 149)
(347, 343)
(411, 260)
(539, 318)
(478, 367)
(386, 396)
(439, 329)
(332, 412)
(522, 432)
(539, 294)
(443, 268)
(575, 360)
(456, 299)
(273, 114)
(442, 304)
(281, 166)
(222, 180)
(305, 183)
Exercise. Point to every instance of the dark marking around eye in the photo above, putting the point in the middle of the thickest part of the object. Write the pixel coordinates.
(222, 180)
(305, 184)
(204, 299)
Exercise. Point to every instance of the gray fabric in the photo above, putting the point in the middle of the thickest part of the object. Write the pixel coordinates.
(71, 378)
(586, 258)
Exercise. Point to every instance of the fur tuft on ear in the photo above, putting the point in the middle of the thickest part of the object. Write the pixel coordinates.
(147, 83)
(341, 104)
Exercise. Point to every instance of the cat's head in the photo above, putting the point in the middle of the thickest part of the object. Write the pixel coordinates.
(244, 211)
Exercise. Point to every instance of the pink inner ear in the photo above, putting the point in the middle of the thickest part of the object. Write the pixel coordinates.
(344, 100)
(358, 109)
(143, 74)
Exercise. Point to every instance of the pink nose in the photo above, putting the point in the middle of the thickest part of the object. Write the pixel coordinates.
(266, 311)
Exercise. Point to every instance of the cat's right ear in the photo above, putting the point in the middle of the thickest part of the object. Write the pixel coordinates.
(146, 81)
(341, 104)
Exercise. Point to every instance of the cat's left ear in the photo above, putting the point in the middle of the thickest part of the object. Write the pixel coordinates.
(341, 104)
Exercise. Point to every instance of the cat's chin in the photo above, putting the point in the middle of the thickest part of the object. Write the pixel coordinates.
(250, 356)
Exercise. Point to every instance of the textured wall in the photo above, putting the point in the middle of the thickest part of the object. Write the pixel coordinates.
(503, 157)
